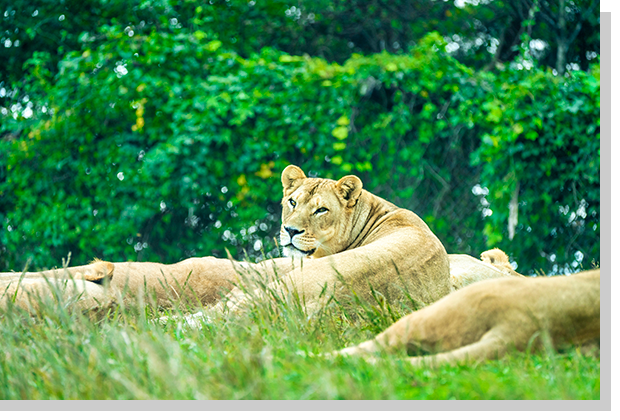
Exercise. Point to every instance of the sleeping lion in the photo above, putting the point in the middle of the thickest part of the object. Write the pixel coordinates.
(336, 237)
(485, 320)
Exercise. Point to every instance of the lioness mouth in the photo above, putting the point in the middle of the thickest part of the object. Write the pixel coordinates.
(308, 253)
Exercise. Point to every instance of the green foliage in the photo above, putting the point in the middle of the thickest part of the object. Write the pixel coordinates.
(155, 137)
(484, 32)
(543, 138)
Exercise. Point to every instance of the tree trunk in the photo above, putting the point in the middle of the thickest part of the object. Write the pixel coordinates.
(560, 62)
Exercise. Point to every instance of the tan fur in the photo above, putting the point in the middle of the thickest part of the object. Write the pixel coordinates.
(196, 281)
(487, 319)
(31, 290)
(499, 259)
(465, 270)
(353, 240)
(96, 271)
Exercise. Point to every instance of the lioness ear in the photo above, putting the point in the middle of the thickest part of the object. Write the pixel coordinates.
(350, 188)
(290, 176)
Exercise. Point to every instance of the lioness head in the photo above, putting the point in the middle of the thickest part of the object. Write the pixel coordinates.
(317, 213)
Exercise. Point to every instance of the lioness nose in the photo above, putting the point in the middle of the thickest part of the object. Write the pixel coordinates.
(292, 231)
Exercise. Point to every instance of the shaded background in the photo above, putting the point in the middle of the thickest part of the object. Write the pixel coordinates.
(156, 130)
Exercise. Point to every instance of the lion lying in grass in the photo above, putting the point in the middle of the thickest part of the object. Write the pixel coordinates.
(487, 319)
(195, 281)
(336, 238)
(466, 270)
(30, 290)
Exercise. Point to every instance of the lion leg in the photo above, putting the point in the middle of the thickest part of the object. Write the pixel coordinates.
(489, 347)
(378, 268)
(428, 330)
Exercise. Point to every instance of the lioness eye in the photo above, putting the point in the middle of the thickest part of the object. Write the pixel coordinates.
(321, 210)
(292, 202)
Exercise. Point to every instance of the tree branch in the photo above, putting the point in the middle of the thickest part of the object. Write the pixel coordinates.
(584, 16)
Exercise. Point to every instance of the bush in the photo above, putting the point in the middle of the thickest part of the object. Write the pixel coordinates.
(163, 144)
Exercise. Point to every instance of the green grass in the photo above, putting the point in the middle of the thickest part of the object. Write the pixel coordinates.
(64, 354)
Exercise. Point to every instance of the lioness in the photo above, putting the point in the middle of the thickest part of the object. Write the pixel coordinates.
(198, 281)
(35, 289)
(465, 269)
(485, 320)
(349, 238)
(343, 232)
